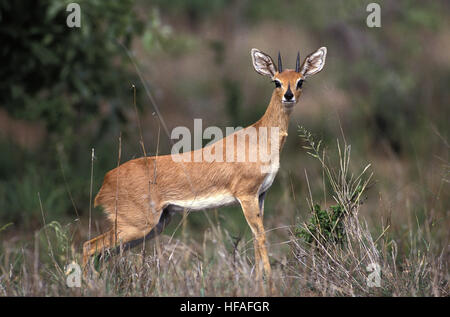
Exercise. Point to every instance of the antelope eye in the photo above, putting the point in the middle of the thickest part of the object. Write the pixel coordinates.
(299, 84)
(277, 83)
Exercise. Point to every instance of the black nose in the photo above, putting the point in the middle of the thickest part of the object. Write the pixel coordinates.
(288, 95)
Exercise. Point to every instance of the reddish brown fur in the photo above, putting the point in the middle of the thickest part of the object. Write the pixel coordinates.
(134, 197)
(135, 180)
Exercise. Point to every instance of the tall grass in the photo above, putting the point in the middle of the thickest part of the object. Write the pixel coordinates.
(333, 252)
(350, 268)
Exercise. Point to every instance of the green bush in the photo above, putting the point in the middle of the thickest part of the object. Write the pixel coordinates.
(324, 226)
(57, 74)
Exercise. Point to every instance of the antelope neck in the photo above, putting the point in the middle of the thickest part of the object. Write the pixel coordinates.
(276, 116)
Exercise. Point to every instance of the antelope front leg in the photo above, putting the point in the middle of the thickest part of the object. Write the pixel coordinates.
(250, 207)
(257, 260)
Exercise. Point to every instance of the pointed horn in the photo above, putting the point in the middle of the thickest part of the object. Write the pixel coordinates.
(297, 63)
(280, 66)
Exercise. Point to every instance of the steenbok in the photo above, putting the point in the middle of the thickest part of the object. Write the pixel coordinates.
(140, 196)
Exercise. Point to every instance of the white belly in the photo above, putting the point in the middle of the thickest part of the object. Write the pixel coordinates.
(204, 202)
(268, 180)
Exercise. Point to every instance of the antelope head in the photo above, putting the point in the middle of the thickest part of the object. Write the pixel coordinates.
(288, 82)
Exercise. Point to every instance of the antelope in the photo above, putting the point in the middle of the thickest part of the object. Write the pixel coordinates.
(140, 196)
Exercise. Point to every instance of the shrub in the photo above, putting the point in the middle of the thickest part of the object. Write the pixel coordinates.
(324, 226)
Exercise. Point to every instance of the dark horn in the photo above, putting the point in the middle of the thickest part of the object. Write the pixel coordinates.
(280, 66)
(297, 63)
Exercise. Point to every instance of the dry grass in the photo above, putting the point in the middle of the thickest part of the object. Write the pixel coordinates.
(222, 265)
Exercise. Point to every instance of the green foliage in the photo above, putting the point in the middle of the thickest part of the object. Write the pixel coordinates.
(4, 227)
(324, 226)
(59, 74)
(195, 10)
(19, 201)
(61, 236)
(328, 226)
(75, 81)
(160, 37)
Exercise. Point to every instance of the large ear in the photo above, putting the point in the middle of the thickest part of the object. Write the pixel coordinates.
(314, 62)
(263, 63)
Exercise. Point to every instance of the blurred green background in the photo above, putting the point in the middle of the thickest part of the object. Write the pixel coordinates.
(65, 91)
